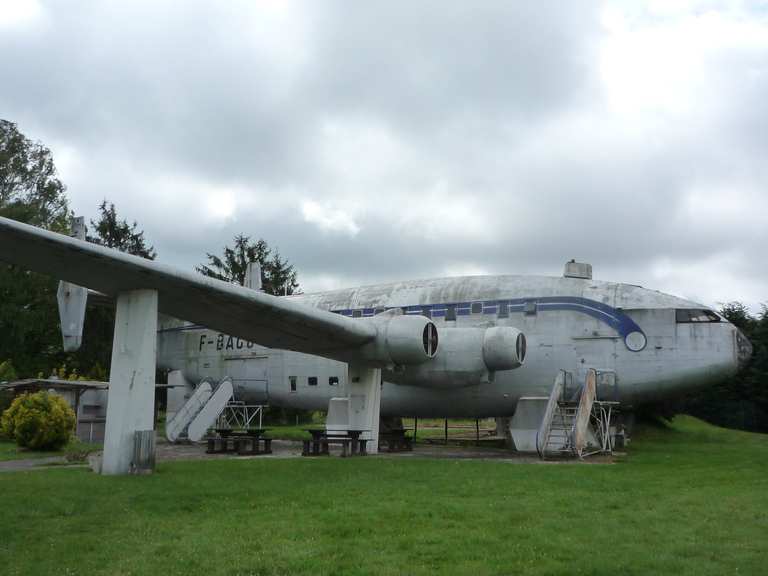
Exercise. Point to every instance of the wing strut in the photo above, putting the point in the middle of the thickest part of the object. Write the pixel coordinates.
(359, 410)
(130, 409)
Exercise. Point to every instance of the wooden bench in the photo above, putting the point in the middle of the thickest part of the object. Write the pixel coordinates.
(351, 443)
(252, 445)
(239, 441)
(219, 445)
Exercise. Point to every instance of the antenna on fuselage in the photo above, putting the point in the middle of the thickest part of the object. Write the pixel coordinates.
(253, 276)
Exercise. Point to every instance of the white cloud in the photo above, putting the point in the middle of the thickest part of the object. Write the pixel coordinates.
(667, 60)
(19, 13)
(712, 280)
(328, 219)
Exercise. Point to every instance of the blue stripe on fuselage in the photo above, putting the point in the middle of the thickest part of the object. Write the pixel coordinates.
(609, 315)
(614, 317)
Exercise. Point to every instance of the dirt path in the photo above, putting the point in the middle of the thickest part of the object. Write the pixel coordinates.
(29, 463)
(166, 452)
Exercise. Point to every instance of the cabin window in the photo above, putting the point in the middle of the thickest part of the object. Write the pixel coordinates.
(312, 380)
(357, 313)
(427, 311)
(450, 312)
(378, 310)
(333, 380)
(503, 310)
(692, 315)
(530, 308)
(477, 307)
(292, 380)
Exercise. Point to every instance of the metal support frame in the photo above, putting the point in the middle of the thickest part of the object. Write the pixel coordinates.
(602, 412)
(130, 407)
(238, 414)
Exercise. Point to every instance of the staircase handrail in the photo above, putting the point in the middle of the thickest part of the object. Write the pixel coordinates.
(584, 412)
(176, 426)
(542, 436)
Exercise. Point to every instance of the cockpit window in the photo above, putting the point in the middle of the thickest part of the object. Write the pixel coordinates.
(686, 315)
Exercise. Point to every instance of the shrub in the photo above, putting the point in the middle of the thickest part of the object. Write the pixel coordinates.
(7, 371)
(39, 421)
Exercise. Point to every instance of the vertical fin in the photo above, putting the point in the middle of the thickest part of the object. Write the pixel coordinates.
(253, 276)
(72, 300)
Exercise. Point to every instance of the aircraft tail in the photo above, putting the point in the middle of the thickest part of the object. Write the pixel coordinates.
(72, 300)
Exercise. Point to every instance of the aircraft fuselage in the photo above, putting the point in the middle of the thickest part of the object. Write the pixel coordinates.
(657, 346)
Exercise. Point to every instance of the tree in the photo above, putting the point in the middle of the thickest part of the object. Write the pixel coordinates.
(740, 401)
(96, 350)
(278, 276)
(30, 190)
(115, 233)
(738, 314)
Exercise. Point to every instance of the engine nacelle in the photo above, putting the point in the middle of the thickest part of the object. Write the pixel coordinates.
(504, 348)
(468, 356)
(400, 341)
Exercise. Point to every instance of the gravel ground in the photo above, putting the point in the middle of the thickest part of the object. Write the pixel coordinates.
(166, 452)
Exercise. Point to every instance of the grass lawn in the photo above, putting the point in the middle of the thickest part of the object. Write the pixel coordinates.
(9, 450)
(285, 432)
(691, 499)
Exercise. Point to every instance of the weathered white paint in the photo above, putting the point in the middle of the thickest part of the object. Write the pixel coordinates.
(72, 300)
(208, 413)
(132, 378)
(308, 344)
(364, 386)
(177, 423)
(179, 391)
(525, 424)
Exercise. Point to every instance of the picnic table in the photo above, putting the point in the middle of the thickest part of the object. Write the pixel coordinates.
(351, 443)
(250, 442)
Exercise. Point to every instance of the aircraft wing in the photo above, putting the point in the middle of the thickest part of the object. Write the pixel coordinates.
(261, 318)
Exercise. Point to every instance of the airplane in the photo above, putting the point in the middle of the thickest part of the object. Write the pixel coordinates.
(467, 346)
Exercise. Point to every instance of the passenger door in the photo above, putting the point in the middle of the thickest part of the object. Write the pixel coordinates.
(250, 378)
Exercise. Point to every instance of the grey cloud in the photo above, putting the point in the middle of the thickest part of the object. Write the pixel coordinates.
(496, 106)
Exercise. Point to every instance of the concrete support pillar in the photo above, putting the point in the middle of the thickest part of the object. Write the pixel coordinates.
(130, 407)
(364, 386)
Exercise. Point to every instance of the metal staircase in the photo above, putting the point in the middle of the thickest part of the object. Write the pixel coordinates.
(176, 427)
(199, 412)
(565, 427)
(209, 413)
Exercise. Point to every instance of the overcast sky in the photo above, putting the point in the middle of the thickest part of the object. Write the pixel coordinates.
(380, 141)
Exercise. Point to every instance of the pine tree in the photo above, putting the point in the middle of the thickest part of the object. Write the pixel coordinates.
(115, 233)
(278, 276)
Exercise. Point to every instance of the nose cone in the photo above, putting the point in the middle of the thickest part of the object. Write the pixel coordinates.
(743, 348)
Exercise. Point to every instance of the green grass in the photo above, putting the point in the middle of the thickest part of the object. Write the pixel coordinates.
(75, 449)
(690, 499)
(285, 432)
(458, 429)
